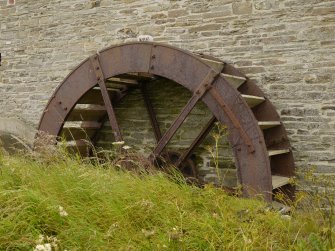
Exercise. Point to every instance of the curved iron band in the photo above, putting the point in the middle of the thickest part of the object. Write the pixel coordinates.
(183, 68)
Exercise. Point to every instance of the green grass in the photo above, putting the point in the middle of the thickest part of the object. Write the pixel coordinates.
(117, 210)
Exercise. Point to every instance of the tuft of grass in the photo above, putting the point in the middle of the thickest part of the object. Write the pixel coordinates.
(82, 206)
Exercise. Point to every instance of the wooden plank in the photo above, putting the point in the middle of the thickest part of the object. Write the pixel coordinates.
(268, 124)
(87, 114)
(279, 181)
(78, 147)
(253, 101)
(278, 152)
(216, 65)
(234, 80)
(137, 76)
(122, 81)
(91, 97)
(209, 59)
(83, 131)
(75, 133)
(118, 86)
(94, 96)
(90, 125)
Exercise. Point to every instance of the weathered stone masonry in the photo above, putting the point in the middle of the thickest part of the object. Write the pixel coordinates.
(287, 46)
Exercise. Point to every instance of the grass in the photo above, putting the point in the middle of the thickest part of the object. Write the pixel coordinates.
(108, 209)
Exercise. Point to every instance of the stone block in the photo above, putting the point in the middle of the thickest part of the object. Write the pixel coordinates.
(206, 27)
(266, 4)
(323, 11)
(177, 13)
(242, 8)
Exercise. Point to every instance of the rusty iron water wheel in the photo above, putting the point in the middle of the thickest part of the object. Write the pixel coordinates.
(260, 145)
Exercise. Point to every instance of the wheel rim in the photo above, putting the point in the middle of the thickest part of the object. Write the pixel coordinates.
(206, 79)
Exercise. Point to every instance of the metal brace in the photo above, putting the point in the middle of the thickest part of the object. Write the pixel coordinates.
(104, 92)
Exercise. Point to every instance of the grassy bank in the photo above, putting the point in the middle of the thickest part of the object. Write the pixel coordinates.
(77, 206)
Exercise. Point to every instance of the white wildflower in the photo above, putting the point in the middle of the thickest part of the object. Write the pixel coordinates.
(148, 233)
(39, 247)
(43, 247)
(146, 203)
(49, 245)
(286, 217)
(126, 147)
(118, 143)
(62, 212)
(285, 210)
(40, 239)
(247, 241)
(53, 239)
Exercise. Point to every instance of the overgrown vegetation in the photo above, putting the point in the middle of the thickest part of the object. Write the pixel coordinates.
(62, 203)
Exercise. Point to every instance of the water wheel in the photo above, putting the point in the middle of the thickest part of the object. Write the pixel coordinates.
(89, 94)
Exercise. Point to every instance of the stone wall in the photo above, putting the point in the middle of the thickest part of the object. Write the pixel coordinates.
(287, 46)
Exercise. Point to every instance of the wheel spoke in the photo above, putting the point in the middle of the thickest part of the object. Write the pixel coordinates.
(198, 140)
(175, 125)
(104, 118)
(151, 112)
(106, 98)
(205, 85)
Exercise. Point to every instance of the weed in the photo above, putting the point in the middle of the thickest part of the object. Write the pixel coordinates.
(102, 204)
(219, 133)
(77, 205)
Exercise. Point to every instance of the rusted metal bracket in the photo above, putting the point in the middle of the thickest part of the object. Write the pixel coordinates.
(199, 92)
(213, 91)
(104, 92)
